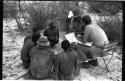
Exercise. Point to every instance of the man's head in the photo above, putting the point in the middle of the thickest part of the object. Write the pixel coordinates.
(83, 6)
(43, 41)
(35, 37)
(86, 19)
(76, 12)
(52, 25)
(36, 30)
(65, 44)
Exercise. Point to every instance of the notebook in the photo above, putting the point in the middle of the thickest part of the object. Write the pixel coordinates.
(72, 38)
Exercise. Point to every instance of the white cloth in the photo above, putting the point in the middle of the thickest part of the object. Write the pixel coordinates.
(72, 38)
(70, 14)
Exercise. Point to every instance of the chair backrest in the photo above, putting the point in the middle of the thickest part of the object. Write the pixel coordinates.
(108, 47)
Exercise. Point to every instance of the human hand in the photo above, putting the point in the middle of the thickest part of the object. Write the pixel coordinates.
(79, 36)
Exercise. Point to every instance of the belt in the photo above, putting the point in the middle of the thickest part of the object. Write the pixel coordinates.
(98, 46)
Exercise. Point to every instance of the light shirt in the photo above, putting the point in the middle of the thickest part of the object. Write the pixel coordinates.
(70, 14)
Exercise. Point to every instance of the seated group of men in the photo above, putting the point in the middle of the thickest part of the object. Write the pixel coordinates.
(41, 61)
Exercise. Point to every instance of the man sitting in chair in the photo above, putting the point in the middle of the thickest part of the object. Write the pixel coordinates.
(95, 34)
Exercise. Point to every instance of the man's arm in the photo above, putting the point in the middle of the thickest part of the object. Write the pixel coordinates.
(76, 58)
(27, 38)
(86, 35)
(52, 57)
(25, 56)
(58, 33)
(24, 51)
(45, 33)
(56, 64)
(75, 63)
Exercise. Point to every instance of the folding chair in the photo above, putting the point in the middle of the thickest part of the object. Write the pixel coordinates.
(105, 50)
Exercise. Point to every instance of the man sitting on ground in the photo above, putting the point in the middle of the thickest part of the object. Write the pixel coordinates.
(52, 33)
(26, 49)
(42, 59)
(66, 62)
(34, 30)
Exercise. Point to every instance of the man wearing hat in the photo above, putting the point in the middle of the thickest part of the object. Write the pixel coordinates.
(75, 21)
(41, 59)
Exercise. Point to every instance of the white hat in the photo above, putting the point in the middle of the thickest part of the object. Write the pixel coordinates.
(43, 41)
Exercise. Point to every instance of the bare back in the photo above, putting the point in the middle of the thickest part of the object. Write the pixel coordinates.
(96, 35)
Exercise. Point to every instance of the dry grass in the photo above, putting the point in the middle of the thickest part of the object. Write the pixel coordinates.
(113, 28)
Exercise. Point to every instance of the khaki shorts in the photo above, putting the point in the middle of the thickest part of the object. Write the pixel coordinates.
(86, 52)
(95, 51)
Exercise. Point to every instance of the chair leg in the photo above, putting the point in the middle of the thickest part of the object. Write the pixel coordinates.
(105, 64)
(108, 61)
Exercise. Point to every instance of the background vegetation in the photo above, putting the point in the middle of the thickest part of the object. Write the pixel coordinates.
(30, 14)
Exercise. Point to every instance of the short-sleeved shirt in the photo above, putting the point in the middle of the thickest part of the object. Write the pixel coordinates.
(42, 59)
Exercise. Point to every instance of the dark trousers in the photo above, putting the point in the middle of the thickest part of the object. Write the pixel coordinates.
(68, 22)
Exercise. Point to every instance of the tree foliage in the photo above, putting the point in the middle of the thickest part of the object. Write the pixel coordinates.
(41, 11)
(113, 28)
(10, 9)
(108, 7)
(37, 13)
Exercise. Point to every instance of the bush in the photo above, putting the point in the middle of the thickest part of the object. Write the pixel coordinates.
(10, 9)
(113, 28)
(37, 16)
(108, 7)
(42, 11)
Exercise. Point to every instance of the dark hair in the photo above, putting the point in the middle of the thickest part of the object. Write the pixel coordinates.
(35, 29)
(35, 37)
(65, 44)
(52, 25)
(76, 12)
(86, 19)
(77, 19)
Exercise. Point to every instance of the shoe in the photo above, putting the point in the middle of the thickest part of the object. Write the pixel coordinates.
(94, 62)
(85, 64)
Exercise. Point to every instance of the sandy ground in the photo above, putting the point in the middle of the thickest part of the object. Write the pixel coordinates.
(13, 69)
